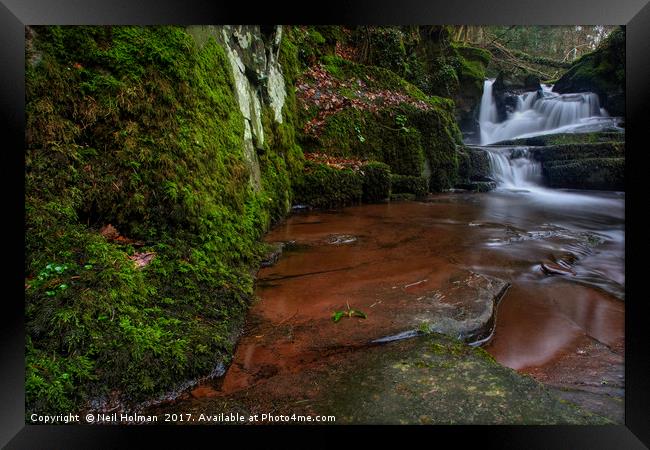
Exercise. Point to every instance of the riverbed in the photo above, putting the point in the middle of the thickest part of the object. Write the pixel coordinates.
(563, 326)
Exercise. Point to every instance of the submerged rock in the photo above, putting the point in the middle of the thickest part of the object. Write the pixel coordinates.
(463, 308)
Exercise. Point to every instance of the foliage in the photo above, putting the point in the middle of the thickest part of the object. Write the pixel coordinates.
(601, 71)
(349, 312)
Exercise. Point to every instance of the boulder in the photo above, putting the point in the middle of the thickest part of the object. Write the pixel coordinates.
(598, 165)
(508, 87)
(601, 71)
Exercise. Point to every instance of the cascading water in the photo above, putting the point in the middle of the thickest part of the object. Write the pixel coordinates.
(512, 168)
(541, 112)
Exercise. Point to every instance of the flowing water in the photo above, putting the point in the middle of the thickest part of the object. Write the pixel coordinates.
(542, 112)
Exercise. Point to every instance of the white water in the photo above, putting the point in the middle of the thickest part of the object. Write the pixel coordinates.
(542, 112)
(517, 173)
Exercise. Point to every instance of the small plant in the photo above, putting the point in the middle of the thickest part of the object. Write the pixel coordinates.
(400, 121)
(337, 315)
(359, 135)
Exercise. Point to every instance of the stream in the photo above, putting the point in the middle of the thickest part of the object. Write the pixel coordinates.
(561, 252)
(566, 330)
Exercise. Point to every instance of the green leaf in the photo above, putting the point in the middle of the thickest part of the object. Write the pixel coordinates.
(336, 315)
(356, 313)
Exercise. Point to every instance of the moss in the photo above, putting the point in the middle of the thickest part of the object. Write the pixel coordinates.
(601, 71)
(139, 127)
(404, 184)
(579, 151)
(321, 186)
(590, 173)
(569, 138)
(412, 140)
(473, 165)
(387, 49)
(376, 182)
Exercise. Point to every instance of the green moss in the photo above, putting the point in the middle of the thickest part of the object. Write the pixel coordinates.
(569, 138)
(321, 186)
(139, 127)
(376, 182)
(579, 151)
(410, 139)
(601, 71)
(405, 184)
(590, 173)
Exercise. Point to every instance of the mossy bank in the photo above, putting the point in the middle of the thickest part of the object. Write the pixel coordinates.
(140, 128)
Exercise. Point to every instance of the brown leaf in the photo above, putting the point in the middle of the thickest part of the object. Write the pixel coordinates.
(142, 259)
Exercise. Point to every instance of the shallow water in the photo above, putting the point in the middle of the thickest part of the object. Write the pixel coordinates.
(382, 258)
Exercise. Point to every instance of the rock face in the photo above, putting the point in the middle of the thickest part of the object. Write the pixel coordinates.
(474, 170)
(506, 88)
(471, 66)
(583, 166)
(253, 54)
(602, 72)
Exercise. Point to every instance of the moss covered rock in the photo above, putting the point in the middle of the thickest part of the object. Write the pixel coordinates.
(405, 184)
(583, 166)
(601, 71)
(590, 173)
(568, 138)
(376, 182)
(321, 186)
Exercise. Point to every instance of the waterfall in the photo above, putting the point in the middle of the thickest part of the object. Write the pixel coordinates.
(541, 112)
(513, 167)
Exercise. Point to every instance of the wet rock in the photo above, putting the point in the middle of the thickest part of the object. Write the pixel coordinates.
(507, 88)
(553, 268)
(428, 380)
(568, 138)
(474, 164)
(466, 308)
(437, 380)
(273, 255)
(478, 186)
(341, 239)
(594, 173)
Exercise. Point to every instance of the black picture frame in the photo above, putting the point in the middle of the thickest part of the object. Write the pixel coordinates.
(15, 14)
